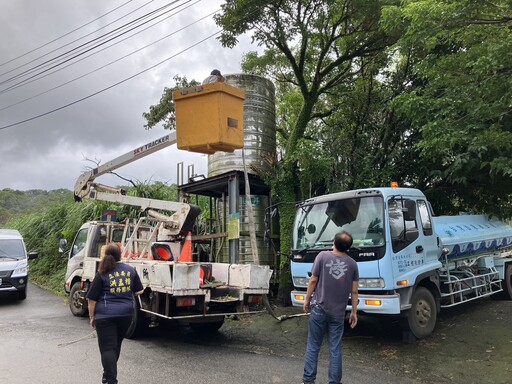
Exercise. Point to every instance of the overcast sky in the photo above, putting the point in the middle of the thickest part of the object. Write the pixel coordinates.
(49, 152)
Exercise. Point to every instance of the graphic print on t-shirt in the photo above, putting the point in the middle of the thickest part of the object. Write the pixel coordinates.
(120, 282)
(337, 268)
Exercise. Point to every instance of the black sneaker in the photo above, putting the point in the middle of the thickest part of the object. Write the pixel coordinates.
(103, 379)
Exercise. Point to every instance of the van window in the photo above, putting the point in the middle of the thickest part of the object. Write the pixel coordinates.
(12, 249)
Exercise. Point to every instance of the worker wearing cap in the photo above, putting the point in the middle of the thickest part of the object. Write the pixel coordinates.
(215, 77)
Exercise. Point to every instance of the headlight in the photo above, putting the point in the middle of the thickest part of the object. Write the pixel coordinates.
(371, 283)
(300, 281)
(20, 271)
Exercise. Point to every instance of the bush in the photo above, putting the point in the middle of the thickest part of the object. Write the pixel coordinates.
(42, 232)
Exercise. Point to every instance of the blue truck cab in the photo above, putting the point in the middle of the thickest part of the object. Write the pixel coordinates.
(411, 263)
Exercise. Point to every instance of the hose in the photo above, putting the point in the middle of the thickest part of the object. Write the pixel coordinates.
(270, 310)
(91, 335)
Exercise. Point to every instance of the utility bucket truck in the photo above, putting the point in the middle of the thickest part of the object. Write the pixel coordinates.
(158, 246)
(411, 263)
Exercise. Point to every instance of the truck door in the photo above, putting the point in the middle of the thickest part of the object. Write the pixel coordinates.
(429, 238)
(407, 240)
(76, 254)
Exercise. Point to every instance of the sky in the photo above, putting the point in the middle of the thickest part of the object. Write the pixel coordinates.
(52, 151)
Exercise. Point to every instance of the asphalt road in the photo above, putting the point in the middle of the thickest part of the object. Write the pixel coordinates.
(41, 342)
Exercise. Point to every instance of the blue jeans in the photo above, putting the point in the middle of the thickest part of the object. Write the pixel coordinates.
(318, 323)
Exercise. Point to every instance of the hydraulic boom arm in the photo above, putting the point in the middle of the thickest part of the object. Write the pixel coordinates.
(178, 223)
(86, 180)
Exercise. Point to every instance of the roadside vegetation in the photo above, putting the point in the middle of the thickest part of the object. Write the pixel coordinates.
(43, 218)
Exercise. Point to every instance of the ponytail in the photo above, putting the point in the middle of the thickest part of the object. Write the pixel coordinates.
(108, 262)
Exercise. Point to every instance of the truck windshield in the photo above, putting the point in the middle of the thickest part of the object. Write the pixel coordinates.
(315, 225)
(11, 249)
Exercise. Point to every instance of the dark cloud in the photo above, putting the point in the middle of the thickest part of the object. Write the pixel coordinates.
(49, 152)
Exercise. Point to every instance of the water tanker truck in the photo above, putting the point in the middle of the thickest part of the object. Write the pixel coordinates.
(411, 263)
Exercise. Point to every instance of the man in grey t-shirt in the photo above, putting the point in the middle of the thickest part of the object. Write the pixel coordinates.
(334, 278)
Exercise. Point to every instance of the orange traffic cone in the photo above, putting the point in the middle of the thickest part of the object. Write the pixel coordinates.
(186, 251)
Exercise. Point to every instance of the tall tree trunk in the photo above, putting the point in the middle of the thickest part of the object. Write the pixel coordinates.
(286, 190)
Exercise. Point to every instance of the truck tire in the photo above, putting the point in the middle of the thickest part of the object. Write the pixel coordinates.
(422, 317)
(507, 282)
(139, 326)
(210, 327)
(77, 303)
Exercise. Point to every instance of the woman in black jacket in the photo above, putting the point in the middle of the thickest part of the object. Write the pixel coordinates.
(110, 298)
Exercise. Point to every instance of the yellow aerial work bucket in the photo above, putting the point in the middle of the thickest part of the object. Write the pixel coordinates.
(210, 118)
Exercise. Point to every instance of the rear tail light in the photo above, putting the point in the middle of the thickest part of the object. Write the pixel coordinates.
(185, 301)
(254, 299)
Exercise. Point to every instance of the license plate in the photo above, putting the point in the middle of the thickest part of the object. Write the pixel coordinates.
(0, 281)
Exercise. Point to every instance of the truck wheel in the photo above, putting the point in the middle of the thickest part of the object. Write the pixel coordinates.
(210, 327)
(422, 317)
(77, 300)
(139, 326)
(507, 282)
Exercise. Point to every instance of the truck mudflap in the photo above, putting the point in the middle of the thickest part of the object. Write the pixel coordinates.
(378, 304)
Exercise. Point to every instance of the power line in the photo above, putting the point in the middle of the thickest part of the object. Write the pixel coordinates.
(66, 34)
(108, 64)
(111, 86)
(74, 41)
(88, 49)
(47, 62)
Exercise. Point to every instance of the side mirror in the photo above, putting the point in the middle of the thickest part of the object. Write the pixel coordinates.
(32, 255)
(62, 245)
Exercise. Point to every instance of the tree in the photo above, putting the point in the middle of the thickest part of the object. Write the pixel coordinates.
(313, 47)
(163, 112)
(460, 100)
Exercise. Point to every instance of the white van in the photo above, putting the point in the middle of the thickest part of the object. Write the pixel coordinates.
(14, 263)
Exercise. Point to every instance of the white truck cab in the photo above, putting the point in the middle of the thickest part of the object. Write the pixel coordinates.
(14, 263)
(89, 240)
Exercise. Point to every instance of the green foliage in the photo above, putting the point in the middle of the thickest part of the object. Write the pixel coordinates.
(460, 99)
(312, 46)
(42, 231)
(43, 227)
(13, 202)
